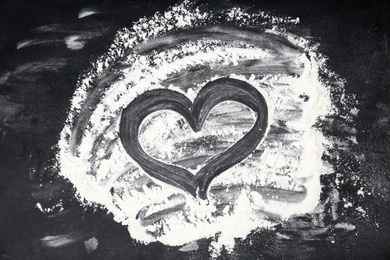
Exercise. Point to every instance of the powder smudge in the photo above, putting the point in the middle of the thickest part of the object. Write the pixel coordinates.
(182, 49)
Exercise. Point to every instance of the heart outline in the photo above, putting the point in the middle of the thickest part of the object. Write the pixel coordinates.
(195, 113)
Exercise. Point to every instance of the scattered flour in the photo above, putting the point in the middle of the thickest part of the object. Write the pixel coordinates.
(279, 180)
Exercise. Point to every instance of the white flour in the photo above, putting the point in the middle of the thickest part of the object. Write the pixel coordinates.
(279, 180)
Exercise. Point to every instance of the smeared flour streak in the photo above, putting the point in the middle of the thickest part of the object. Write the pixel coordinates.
(182, 49)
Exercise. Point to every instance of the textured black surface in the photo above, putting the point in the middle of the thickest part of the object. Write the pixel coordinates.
(34, 101)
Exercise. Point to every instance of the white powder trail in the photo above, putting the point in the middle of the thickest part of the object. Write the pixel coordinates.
(280, 179)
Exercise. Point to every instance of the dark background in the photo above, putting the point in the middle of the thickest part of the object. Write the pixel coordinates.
(34, 101)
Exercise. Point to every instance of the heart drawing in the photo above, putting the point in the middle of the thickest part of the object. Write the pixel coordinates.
(213, 93)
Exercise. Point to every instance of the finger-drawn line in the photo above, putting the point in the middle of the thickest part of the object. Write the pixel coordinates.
(213, 93)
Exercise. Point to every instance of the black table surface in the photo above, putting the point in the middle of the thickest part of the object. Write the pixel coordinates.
(354, 35)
